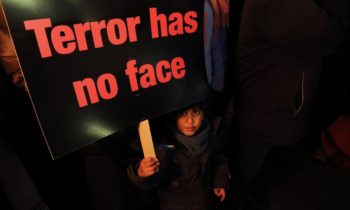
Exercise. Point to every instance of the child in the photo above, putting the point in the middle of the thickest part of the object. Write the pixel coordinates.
(190, 165)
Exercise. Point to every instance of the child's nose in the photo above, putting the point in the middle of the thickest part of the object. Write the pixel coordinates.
(189, 119)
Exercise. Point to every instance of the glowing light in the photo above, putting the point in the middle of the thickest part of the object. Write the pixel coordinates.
(98, 131)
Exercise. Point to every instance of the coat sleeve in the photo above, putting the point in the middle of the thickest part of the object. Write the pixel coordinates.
(141, 182)
(152, 182)
(132, 163)
(222, 175)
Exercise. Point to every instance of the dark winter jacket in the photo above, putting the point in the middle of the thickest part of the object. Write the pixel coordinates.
(184, 180)
(280, 50)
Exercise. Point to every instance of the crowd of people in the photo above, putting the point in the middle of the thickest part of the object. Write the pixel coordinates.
(273, 67)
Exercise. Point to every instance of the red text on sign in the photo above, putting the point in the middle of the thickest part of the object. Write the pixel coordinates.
(147, 75)
(65, 39)
(107, 88)
(174, 24)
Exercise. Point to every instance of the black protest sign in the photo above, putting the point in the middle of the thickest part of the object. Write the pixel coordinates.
(96, 67)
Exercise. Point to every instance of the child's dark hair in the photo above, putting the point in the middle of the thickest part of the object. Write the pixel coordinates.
(200, 106)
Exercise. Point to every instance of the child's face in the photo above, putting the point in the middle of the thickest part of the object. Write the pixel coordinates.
(189, 121)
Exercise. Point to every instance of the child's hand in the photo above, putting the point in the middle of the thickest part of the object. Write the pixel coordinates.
(148, 166)
(220, 192)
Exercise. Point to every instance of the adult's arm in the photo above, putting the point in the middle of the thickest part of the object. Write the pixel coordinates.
(8, 57)
(301, 27)
(306, 27)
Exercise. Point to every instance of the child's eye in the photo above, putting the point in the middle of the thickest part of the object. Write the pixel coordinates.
(197, 112)
(183, 113)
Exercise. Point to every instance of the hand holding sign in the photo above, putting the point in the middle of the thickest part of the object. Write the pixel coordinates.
(148, 167)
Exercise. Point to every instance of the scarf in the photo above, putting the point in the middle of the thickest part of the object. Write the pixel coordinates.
(197, 143)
